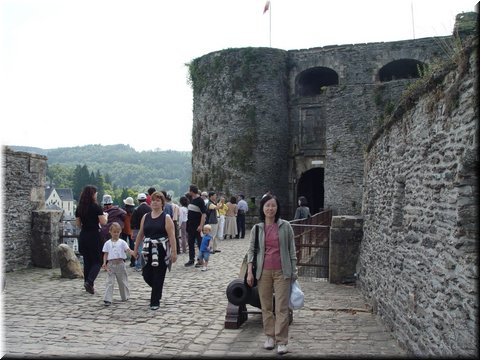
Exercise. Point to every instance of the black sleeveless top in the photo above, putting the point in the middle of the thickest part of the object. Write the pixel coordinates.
(154, 228)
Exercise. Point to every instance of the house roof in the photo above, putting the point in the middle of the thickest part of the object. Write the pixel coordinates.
(64, 194)
(48, 192)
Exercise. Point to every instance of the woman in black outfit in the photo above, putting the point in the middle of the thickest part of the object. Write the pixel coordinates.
(156, 226)
(88, 217)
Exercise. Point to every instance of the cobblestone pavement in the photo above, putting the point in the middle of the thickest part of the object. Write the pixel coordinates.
(46, 315)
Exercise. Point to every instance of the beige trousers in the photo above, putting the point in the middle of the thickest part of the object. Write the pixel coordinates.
(275, 323)
(118, 271)
(213, 233)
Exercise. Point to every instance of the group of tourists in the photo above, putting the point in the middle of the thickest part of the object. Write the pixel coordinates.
(156, 230)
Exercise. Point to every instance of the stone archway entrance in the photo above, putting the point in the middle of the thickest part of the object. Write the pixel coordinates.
(311, 186)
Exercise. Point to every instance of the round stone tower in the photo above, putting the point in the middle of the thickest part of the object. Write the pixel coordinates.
(240, 133)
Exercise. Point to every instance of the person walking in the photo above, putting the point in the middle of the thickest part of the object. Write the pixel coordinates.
(222, 211)
(88, 217)
(115, 214)
(175, 214)
(196, 219)
(276, 269)
(231, 218)
(182, 219)
(205, 247)
(127, 233)
(302, 211)
(150, 191)
(114, 251)
(212, 219)
(159, 248)
(137, 216)
(241, 212)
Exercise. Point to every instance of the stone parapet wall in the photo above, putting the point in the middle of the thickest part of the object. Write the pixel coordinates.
(23, 192)
(419, 256)
(346, 234)
(46, 238)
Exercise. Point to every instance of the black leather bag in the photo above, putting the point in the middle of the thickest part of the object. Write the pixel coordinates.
(254, 262)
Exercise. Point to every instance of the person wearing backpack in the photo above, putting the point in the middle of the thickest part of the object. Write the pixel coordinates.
(115, 214)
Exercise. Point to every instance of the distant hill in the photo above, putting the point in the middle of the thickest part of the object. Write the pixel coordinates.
(126, 167)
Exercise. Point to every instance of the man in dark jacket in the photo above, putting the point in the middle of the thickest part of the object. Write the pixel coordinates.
(115, 214)
(137, 215)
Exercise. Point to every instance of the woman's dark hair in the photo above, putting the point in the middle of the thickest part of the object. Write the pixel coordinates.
(233, 200)
(86, 199)
(303, 201)
(262, 203)
(184, 201)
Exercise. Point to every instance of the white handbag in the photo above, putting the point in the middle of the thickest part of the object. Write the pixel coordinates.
(297, 297)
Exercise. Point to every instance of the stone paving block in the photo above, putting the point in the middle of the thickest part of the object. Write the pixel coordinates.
(189, 323)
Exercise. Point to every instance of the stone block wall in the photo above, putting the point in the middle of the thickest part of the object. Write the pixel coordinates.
(23, 192)
(419, 256)
(346, 114)
(250, 131)
(46, 238)
(240, 122)
(346, 234)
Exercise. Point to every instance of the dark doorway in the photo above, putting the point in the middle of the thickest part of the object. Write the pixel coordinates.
(310, 185)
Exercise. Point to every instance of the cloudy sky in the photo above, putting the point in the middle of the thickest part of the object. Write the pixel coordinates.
(113, 71)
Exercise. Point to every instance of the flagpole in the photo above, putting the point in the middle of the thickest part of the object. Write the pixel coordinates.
(268, 7)
(270, 24)
(413, 21)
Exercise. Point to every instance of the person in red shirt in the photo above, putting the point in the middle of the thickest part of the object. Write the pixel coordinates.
(276, 269)
(150, 191)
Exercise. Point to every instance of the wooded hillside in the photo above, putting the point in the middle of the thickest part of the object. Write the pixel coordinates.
(122, 165)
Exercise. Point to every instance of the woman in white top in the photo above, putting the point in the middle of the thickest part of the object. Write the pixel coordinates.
(182, 221)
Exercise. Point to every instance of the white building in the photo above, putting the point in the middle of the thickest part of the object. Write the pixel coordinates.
(60, 199)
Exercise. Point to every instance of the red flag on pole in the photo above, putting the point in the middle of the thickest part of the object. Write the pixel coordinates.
(267, 6)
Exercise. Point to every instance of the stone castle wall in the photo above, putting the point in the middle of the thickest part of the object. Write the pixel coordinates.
(348, 113)
(240, 122)
(23, 193)
(253, 131)
(419, 254)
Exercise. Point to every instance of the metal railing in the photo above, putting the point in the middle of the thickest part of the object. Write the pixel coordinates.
(312, 237)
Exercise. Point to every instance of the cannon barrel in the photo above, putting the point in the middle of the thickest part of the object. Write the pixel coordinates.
(238, 293)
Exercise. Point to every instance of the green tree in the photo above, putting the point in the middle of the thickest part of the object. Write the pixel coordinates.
(81, 177)
(60, 176)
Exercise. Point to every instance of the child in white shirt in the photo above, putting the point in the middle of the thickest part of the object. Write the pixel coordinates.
(114, 251)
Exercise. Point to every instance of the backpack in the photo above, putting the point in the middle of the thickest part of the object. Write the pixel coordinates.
(211, 215)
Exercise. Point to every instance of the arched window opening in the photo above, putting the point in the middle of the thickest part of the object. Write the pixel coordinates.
(401, 69)
(311, 81)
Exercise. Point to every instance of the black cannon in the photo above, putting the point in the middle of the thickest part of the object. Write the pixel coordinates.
(240, 295)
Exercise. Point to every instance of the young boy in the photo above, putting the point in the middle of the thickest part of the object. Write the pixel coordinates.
(114, 251)
(205, 247)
